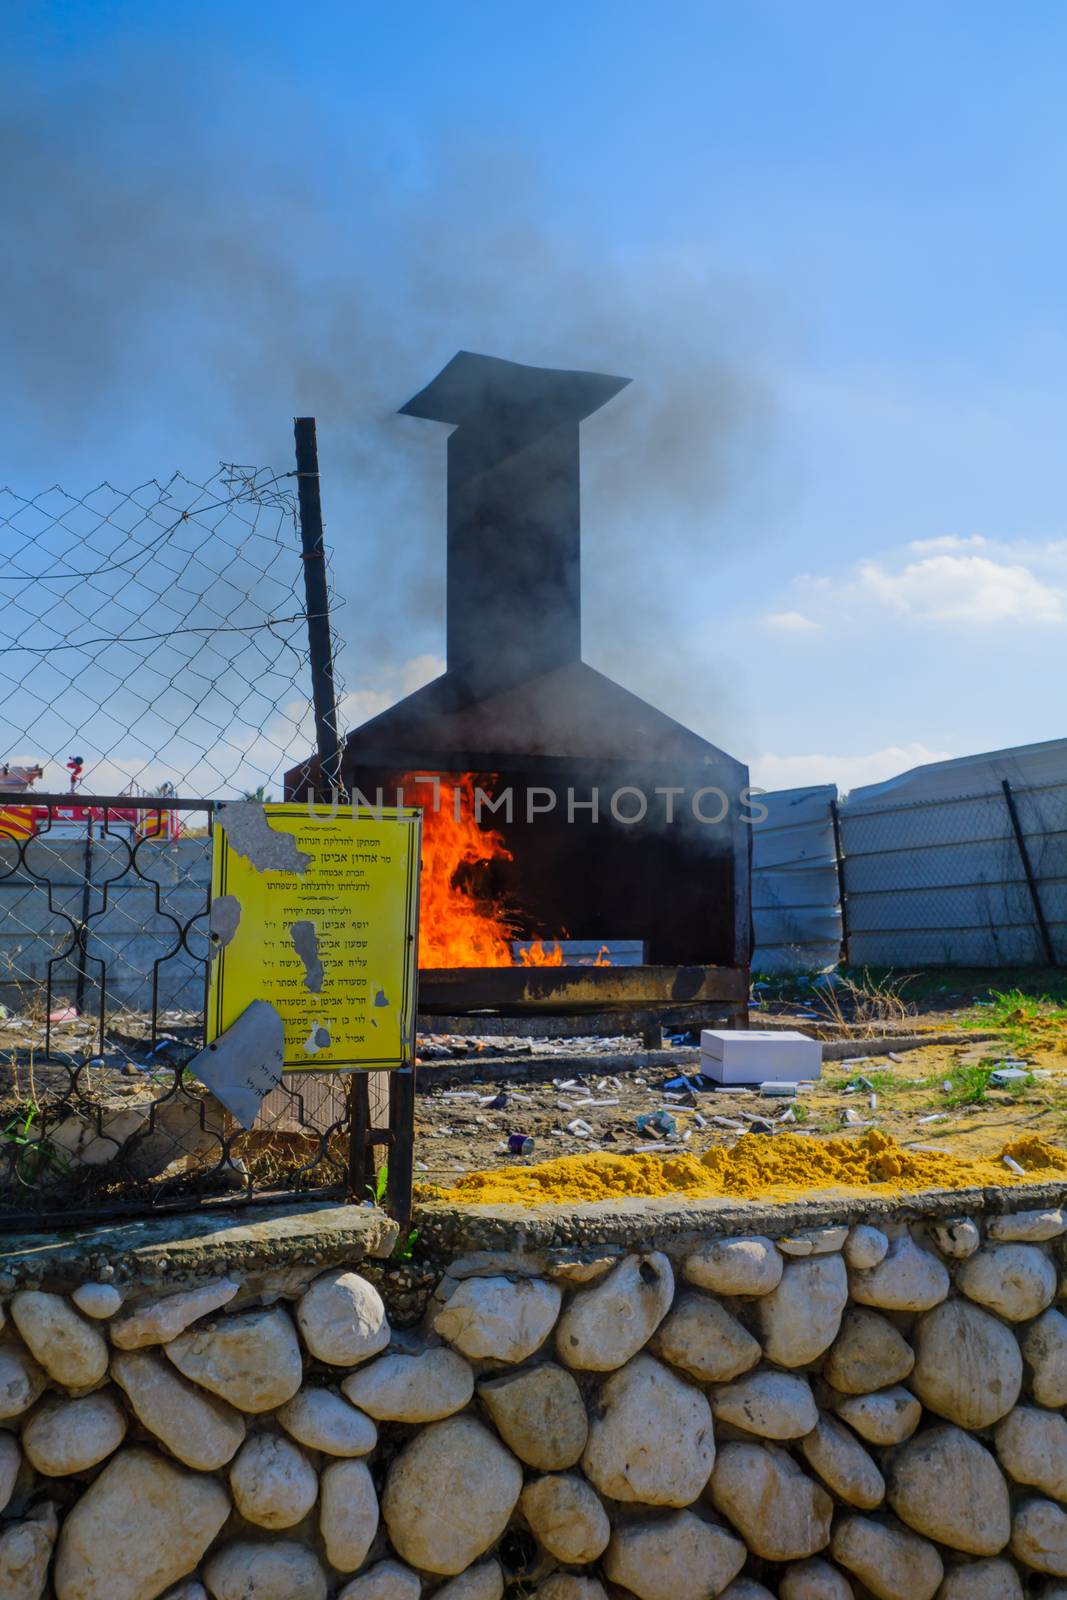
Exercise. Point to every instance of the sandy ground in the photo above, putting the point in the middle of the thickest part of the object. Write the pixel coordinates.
(936, 1095)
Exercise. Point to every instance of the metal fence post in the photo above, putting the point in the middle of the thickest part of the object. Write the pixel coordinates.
(839, 857)
(1031, 880)
(316, 590)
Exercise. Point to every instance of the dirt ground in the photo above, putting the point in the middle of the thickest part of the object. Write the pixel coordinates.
(938, 1095)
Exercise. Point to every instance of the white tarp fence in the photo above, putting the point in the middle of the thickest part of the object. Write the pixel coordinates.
(933, 870)
(795, 912)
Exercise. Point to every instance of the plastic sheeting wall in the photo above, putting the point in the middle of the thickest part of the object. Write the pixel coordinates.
(795, 913)
(933, 871)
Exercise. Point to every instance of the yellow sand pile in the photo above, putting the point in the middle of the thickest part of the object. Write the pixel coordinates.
(787, 1167)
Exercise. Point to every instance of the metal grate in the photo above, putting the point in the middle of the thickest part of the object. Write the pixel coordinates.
(103, 964)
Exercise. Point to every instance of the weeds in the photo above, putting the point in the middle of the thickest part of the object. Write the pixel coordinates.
(866, 1003)
(1026, 1020)
(970, 1084)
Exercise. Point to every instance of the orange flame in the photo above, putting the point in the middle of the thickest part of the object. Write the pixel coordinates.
(460, 923)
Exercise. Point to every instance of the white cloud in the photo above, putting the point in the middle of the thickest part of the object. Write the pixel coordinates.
(948, 581)
(791, 622)
(848, 772)
(963, 589)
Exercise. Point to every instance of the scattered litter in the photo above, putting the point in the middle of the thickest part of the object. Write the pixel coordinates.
(892, 1056)
(65, 1014)
(1013, 1166)
(788, 1115)
(656, 1122)
(1003, 1076)
(935, 1116)
(420, 1166)
(774, 1087)
(520, 1144)
(872, 1101)
(580, 1129)
(728, 1122)
(495, 1102)
(947, 1086)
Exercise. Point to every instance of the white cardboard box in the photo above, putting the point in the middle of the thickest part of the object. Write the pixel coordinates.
(751, 1055)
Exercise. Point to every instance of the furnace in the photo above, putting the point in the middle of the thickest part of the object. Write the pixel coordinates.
(565, 817)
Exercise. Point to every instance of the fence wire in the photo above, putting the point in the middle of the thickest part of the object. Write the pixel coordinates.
(972, 880)
(158, 635)
(153, 645)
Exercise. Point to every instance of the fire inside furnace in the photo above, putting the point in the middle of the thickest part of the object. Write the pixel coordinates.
(461, 922)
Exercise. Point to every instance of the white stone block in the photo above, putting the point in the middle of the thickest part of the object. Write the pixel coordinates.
(754, 1055)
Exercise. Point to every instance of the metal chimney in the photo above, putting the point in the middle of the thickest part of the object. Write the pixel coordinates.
(514, 528)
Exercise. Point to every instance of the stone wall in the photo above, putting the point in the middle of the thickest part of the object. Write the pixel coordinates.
(619, 1401)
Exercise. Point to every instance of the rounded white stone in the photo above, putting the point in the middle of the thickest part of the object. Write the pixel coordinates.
(814, 1579)
(25, 1551)
(800, 1318)
(651, 1439)
(417, 1388)
(482, 1582)
(843, 1464)
(10, 1461)
(746, 1266)
(21, 1379)
(252, 1359)
(908, 1279)
(139, 1527)
(967, 1364)
(888, 1417)
(1039, 1536)
(1032, 1226)
(342, 1319)
(982, 1580)
(323, 1421)
(567, 1518)
(273, 1483)
(348, 1514)
(775, 1405)
(460, 1469)
(749, 1480)
(386, 1580)
(867, 1354)
(494, 1319)
(678, 1558)
(539, 1413)
(198, 1428)
(1015, 1280)
(1044, 1345)
(700, 1336)
(69, 1349)
(68, 1436)
(746, 1589)
(605, 1325)
(1032, 1447)
(945, 1485)
(248, 1570)
(97, 1300)
(893, 1563)
(957, 1238)
(812, 1241)
(864, 1247)
(159, 1321)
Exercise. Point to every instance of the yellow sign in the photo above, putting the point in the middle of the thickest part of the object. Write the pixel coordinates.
(316, 910)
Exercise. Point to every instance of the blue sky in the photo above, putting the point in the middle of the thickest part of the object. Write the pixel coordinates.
(824, 526)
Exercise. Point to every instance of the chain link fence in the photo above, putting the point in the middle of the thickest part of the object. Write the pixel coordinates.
(977, 880)
(154, 660)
